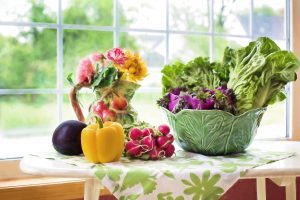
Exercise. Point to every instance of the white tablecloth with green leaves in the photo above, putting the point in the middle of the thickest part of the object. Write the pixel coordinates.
(184, 176)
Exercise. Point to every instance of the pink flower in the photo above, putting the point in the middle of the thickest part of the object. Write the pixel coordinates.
(116, 55)
(96, 57)
(85, 71)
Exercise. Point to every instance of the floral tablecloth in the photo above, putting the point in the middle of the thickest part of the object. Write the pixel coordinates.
(184, 176)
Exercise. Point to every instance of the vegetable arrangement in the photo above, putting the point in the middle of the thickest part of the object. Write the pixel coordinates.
(247, 78)
(104, 142)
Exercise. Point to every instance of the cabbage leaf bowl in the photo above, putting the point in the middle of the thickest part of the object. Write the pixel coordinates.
(214, 132)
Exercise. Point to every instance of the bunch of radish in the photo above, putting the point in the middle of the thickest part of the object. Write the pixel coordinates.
(150, 144)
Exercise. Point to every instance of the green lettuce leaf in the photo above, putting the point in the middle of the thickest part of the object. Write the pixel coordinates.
(195, 74)
(171, 76)
(260, 74)
(228, 63)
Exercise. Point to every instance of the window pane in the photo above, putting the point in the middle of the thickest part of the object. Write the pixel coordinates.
(273, 122)
(192, 15)
(78, 44)
(268, 18)
(85, 97)
(151, 47)
(281, 44)
(145, 104)
(153, 80)
(222, 42)
(143, 14)
(25, 121)
(88, 12)
(187, 47)
(28, 11)
(232, 16)
(28, 57)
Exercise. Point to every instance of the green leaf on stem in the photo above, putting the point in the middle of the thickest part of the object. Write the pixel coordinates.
(70, 80)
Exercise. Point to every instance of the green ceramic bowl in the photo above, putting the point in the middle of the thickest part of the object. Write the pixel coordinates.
(214, 132)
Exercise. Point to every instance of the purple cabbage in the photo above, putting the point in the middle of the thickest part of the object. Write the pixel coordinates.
(174, 99)
(220, 98)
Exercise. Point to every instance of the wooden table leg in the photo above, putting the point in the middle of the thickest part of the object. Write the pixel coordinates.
(261, 188)
(92, 188)
(290, 186)
(290, 190)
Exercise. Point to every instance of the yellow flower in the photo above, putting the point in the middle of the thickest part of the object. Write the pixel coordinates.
(135, 68)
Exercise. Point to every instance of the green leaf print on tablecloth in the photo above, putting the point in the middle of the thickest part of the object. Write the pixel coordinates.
(169, 174)
(183, 164)
(130, 197)
(230, 167)
(203, 188)
(140, 176)
(168, 196)
(240, 157)
(113, 174)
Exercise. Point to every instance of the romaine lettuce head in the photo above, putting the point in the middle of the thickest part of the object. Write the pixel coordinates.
(260, 74)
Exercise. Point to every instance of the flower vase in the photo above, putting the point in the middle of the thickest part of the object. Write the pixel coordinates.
(107, 95)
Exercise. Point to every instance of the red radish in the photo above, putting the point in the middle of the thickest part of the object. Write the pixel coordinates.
(161, 152)
(99, 114)
(135, 152)
(119, 103)
(100, 107)
(150, 144)
(148, 131)
(169, 150)
(147, 143)
(170, 138)
(135, 134)
(109, 115)
(153, 154)
(162, 141)
(133, 148)
(131, 144)
(164, 129)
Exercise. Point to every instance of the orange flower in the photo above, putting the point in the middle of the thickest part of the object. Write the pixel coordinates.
(134, 68)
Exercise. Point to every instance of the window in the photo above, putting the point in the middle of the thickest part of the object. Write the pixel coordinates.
(42, 41)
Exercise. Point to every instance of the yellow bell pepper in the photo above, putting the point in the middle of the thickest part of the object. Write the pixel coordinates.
(103, 143)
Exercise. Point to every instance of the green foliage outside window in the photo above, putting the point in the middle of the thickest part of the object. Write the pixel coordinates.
(29, 59)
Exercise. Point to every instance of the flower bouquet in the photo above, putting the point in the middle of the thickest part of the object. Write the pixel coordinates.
(113, 77)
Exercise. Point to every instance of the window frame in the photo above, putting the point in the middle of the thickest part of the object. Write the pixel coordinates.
(9, 169)
(295, 89)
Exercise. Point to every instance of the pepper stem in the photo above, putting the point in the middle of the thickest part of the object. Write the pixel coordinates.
(99, 121)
